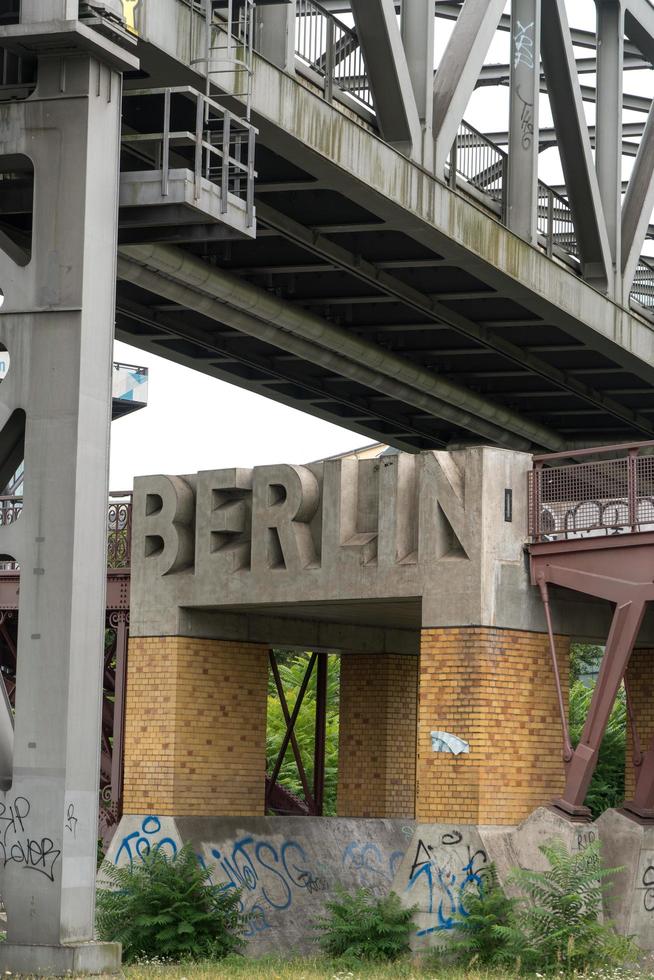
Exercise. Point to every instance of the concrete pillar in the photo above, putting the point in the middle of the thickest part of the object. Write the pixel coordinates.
(608, 151)
(640, 680)
(57, 323)
(195, 727)
(418, 38)
(377, 741)
(275, 34)
(522, 196)
(493, 689)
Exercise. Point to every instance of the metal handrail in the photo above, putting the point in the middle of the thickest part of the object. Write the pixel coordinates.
(222, 145)
(598, 496)
(331, 50)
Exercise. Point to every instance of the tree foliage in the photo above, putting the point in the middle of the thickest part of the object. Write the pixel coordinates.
(292, 667)
(168, 908)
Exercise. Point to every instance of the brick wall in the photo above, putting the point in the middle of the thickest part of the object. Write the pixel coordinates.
(495, 689)
(195, 729)
(640, 678)
(377, 744)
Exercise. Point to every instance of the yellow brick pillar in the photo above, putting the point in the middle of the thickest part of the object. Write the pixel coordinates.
(377, 736)
(195, 727)
(640, 678)
(494, 689)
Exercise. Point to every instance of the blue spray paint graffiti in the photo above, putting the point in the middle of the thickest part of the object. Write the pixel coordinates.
(268, 876)
(370, 866)
(139, 843)
(446, 878)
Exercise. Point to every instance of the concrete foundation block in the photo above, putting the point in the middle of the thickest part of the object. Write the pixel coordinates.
(90, 959)
(629, 845)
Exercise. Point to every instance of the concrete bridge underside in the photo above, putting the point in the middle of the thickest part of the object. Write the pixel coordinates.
(392, 303)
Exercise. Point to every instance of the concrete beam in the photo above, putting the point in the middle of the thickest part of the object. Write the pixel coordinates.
(459, 70)
(388, 70)
(574, 144)
(638, 206)
(522, 194)
(210, 291)
(608, 143)
(418, 39)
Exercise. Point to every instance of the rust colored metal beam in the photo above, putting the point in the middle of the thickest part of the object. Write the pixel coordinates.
(620, 570)
(321, 734)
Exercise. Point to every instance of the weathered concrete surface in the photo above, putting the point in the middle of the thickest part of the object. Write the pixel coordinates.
(289, 867)
(630, 846)
(378, 548)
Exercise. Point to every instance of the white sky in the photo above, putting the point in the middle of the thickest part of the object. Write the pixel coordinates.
(194, 422)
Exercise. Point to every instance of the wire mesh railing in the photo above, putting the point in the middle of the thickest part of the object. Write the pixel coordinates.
(589, 498)
(331, 50)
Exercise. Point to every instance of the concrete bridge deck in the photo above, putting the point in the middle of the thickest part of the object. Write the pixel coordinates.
(424, 320)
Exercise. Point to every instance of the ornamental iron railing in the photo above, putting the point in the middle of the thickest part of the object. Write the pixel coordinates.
(594, 496)
(119, 528)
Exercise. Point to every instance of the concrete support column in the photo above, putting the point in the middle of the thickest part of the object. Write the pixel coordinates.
(608, 151)
(522, 195)
(57, 324)
(195, 727)
(418, 38)
(640, 680)
(377, 742)
(494, 690)
(275, 34)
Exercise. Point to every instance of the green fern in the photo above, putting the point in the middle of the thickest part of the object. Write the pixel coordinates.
(559, 916)
(168, 908)
(485, 932)
(362, 927)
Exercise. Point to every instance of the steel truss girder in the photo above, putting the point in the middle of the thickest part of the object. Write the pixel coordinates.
(620, 570)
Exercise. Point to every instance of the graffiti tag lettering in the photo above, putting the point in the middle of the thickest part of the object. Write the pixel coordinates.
(139, 843)
(523, 45)
(18, 847)
(446, 880)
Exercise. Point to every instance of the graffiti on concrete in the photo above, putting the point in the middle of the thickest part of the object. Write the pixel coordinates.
(370, 865)
(141, 842)
(443, 873)
(270, 876)
(647, 888)
(18, 845)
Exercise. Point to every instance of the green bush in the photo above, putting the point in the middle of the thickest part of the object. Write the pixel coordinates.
(362, 927)
(167, 908)
(553, 927)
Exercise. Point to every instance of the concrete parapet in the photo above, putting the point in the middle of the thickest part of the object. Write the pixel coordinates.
(629, 846)
(289, 867)
(87, 959)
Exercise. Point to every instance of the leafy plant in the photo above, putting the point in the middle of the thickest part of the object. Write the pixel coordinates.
(485, 932)
(559, 917)
(292, 667)
(361, 926)
(554, 926)
(167, 907)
